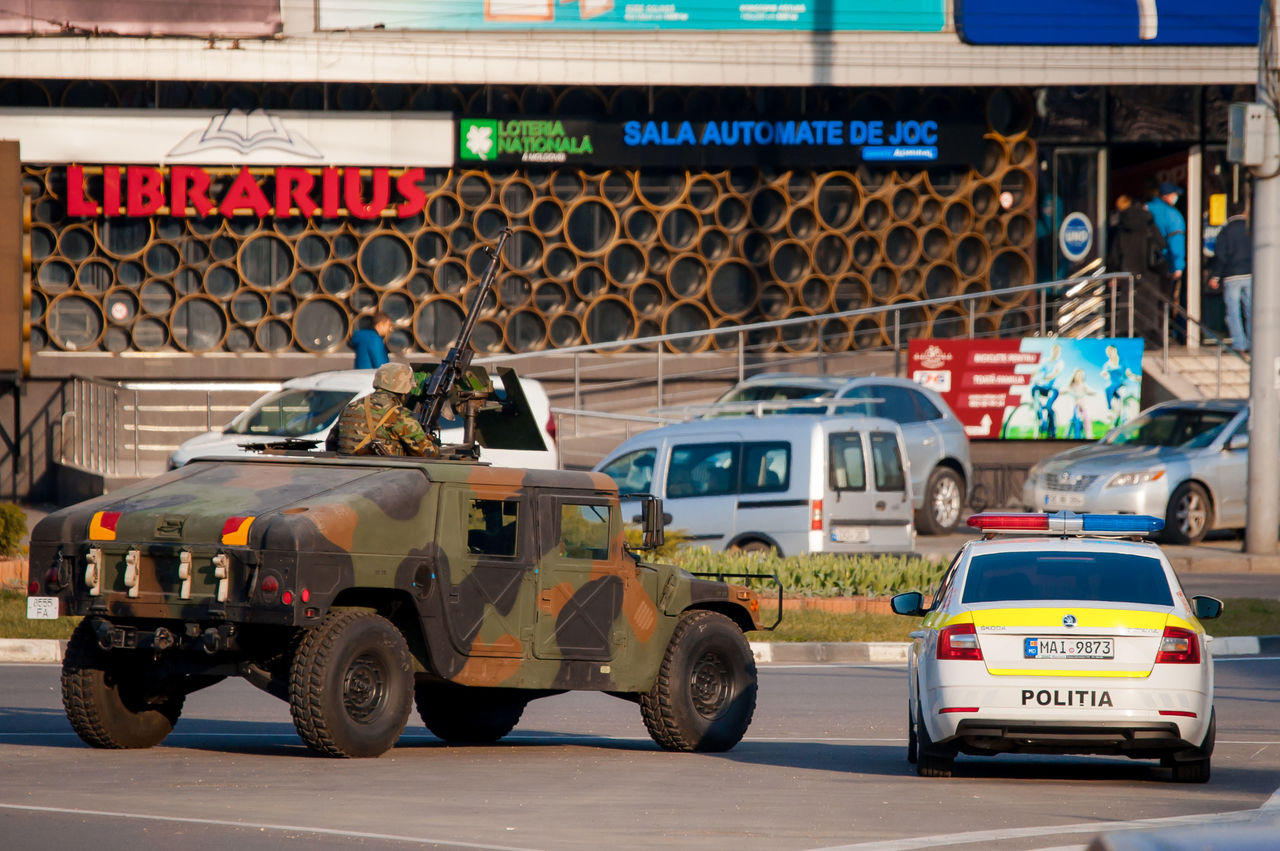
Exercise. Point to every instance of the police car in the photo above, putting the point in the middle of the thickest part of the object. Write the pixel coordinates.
(1064, 639)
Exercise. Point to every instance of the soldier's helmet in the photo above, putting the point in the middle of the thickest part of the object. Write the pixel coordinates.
(395, 377)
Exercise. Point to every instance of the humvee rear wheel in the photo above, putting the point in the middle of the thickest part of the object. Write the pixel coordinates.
(462, 714)
(705, 693)
(106, 696)
(350, 685)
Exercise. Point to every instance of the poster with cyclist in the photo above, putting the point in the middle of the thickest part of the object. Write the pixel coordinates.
(1036, 388)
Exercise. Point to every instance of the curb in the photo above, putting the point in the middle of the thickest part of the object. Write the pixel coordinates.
(48, 650)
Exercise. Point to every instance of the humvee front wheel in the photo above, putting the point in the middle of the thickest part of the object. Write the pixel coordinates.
(705, 694)
(350, 685)
(467, 714)
(107, 698)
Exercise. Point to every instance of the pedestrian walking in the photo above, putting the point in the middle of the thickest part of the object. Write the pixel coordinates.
(1137, 247)
(369, 344)
(1232, 270)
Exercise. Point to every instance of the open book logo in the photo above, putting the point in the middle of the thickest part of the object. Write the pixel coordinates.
(246, 132)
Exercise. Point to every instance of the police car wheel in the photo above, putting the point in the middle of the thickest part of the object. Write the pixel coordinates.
(462, 714)
(107, 698)
(913, 742)
(1197, 769)
(943, 502)
(932, 760)
(351, 685)
(705, 693)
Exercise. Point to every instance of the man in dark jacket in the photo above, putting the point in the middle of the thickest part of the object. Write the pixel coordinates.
(1137, 247)
(1232, 269)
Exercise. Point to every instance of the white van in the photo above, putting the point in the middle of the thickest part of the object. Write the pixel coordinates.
(799, 484)
(305, 408)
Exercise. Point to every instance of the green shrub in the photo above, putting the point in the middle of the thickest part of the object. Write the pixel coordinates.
(824, 574)
(13, 528)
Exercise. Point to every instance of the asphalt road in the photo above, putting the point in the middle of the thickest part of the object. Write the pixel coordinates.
(823, 766)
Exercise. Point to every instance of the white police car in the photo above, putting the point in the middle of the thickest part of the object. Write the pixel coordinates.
(1075, 643)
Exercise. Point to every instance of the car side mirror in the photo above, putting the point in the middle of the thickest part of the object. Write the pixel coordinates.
(1206, 607)
(910, 604)
(1238, 442)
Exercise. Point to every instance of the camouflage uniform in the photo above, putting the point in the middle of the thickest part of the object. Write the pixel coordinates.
(379, 424)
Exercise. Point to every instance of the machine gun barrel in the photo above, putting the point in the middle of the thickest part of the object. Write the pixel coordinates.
(456, 362)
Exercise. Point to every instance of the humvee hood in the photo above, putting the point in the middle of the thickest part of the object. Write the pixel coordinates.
(197, 504)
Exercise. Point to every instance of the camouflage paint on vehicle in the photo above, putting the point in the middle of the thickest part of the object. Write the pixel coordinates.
(395, 536)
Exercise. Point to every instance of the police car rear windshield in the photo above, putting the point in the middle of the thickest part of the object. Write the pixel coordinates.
(1093, 577)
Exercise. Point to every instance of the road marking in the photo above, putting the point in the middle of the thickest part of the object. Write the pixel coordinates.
(354, 834)
(799, 666)
(944, 840)
(1217, 660)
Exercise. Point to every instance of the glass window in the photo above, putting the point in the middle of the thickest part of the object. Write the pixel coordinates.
(848, 467)
(703, 469)
(1100, 577)
(1189, 427)
(633, 472)
(887, 462)
(928, 410)
(899, 403)
(584, 530)
(766, 467)
(291, 413)
(491, 527)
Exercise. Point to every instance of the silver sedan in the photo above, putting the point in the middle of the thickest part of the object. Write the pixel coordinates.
(1185, 461)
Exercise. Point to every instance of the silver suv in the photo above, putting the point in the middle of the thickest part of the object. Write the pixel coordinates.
(937, 447)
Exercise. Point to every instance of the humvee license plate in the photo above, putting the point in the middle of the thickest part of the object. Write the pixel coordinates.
(42, 608)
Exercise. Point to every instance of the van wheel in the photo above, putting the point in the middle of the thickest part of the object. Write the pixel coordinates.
(705, 694)
(1187, 518)
(943, 501)
(351, 685)
(467, 714)
(107, 699)
(754, 546)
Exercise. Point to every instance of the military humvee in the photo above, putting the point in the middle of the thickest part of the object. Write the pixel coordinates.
(353, 586)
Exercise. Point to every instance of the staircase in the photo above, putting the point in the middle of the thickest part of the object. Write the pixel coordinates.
(1204, 373)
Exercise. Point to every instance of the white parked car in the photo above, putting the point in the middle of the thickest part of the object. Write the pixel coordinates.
(304, 409)
(1065, 643)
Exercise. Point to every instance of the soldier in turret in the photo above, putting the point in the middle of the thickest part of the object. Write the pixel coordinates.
(380, 424)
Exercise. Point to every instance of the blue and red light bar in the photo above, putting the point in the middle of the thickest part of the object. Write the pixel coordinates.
(1066, 523)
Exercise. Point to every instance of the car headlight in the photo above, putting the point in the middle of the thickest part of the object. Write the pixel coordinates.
(1136, 477)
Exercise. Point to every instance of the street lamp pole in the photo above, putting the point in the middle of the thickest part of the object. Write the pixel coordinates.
(1264, 371)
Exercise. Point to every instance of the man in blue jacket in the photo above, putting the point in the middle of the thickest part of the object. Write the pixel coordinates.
(369, 343)
(1173, 227)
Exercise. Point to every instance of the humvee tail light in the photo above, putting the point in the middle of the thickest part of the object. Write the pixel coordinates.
(1067, 523)
(815, 515)
(1179, 646)
(287, 598)
(103, 526)
(235, 532)
(959, 641)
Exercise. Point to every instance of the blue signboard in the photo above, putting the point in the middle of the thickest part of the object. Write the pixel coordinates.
(1075, 237)
(600, 15)
(1111, 22)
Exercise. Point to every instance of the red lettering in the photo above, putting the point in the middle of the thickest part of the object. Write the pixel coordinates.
(293, 188)
(329, 203)
(77, 203)
(245, 194)
(354, 196)
(184, 179)
(111, 190)
(146, 190)
(414, 196)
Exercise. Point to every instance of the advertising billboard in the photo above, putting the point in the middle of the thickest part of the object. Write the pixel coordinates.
(1109, 22)
(1036, 388)
(835, 140)
(601, 15)
(142, 18)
